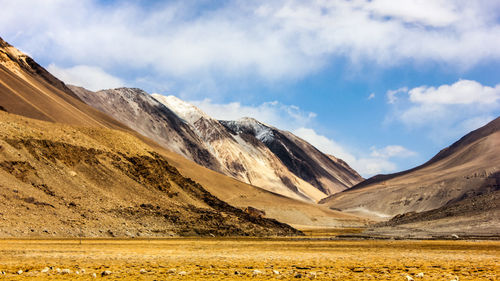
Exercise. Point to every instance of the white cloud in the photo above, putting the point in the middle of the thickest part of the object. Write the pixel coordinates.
(461, 92)
(373, 166)
(274, 113)
(324, 144)
(446, 112)
(299, 122)
(371, 96)
(90, 77)
(391, 94)
(272, 40)
(379, 161)
(392, 151)
(436, 13)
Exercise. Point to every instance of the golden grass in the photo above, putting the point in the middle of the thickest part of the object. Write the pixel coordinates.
(237, 259)
(329, 232)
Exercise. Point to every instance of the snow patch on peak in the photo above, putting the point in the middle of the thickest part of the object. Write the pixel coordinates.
(261, 131)
(184, 110)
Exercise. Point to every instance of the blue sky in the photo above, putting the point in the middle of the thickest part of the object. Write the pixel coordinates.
(382, 84)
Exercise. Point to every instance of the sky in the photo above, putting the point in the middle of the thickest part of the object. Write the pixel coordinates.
(382, 84)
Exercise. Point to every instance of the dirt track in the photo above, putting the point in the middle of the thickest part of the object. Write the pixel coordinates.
(241, 259)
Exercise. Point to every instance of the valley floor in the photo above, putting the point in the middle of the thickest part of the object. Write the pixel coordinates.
(242, 259)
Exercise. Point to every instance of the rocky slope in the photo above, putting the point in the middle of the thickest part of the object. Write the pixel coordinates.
(29, 90)
(445, 190)
(243, 156)
(141, 112)
(327, 173)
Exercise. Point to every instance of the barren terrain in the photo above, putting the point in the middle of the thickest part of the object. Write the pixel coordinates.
(242, 259)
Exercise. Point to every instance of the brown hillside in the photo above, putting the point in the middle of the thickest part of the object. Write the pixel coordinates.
(466, 169)
(64, 181)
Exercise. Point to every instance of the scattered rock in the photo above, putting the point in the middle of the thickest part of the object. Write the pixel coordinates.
(20, 271)
(358, 269)
(45, 270)
(254, 212)
(66, 271)
(77, 272)
(94, 275)
(2, 272)
(256, 272)
(312, 274)
(298, 275)
(183, 273)
(58, 270)
(455, 236)
(82, 270)
(275, 272)
(72, 173)
(172, 270)
(409, 278)
(420, 275)
(143, 271)
(105, 273)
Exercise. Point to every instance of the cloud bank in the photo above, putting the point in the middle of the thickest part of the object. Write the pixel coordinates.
(267, 39)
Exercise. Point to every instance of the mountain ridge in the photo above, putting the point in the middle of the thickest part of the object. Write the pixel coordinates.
(327, 180)
(466, 169)
(303, 159)
(241, 156)
(488, 129)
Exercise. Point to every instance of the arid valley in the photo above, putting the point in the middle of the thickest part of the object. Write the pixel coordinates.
(250, 140)
(249, 259)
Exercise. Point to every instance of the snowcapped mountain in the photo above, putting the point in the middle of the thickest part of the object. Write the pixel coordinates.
(265, 156)
(243, 156)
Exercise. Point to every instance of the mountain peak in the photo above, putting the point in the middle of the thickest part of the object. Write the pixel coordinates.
(184, 110)
(261, 131)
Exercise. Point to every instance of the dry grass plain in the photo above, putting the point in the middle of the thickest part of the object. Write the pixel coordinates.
(243, 259)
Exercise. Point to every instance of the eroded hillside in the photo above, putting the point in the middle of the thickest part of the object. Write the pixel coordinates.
(63, 180)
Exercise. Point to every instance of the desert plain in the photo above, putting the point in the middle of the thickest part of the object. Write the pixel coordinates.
(292, 258)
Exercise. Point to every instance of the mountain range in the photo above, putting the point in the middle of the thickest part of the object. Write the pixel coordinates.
(122, 162)
(247, 149)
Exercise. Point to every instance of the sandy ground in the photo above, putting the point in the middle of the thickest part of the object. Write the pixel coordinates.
(242, 259)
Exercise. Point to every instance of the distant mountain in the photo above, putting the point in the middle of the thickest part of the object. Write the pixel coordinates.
(265, 156)
(446, 188)
(325, 172)
(244, 156)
